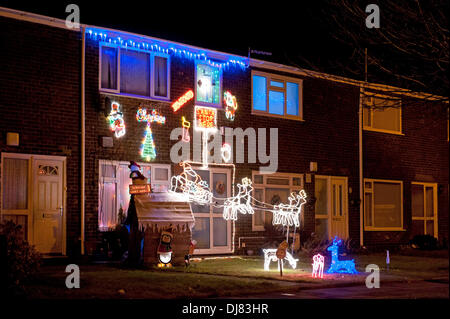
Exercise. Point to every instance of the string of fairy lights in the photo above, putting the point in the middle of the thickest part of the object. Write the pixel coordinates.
(147, 45)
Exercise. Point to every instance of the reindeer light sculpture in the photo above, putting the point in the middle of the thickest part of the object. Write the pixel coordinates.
(239, 203)
(271, 255)
(287, 214)
(340, 266)
(318, 266)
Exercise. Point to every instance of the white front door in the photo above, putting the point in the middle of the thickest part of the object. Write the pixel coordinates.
(338, 214)
(211, 231)
(331, 209)
(48, 205)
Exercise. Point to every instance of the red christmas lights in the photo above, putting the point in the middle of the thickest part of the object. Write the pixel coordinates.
(182, 100)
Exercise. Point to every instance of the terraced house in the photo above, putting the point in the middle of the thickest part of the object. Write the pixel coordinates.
(376, 175)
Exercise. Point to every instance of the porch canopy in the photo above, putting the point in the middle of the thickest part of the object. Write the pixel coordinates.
(163, 209)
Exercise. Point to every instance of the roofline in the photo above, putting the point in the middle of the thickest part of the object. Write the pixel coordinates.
(59, 23)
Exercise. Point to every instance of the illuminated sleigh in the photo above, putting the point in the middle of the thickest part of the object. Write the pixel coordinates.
(190, 184)
(287, 214)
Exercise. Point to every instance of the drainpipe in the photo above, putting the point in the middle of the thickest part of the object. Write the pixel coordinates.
(361, 179)
(83, 136)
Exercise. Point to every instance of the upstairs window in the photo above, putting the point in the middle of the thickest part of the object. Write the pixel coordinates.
(208, 85)
(382, 113)
(133, 72)
(275, 95)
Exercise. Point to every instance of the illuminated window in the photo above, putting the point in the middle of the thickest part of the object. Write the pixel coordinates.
(133, 72)
(272, 189)
(208, 85)
(113, 188)
(276, 95)
(382, 113)
(383, 204)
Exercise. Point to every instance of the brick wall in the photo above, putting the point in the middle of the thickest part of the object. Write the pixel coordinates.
(420, 155)
(329, 135)
(40, 99)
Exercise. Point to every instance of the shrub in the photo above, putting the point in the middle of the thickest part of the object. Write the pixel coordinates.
(424, 242)
(315, 245)
(22, 259)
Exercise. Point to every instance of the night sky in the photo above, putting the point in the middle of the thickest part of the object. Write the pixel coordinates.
(287, 29)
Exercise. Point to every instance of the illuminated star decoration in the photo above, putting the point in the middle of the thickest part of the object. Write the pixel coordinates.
(148, 151)
(288, 214)
(231, 105)
(318, 262)
(339, 266)
(115, 118)
(239, 203)
(271, 255)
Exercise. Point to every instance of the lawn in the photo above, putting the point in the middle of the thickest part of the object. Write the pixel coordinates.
(223, 277)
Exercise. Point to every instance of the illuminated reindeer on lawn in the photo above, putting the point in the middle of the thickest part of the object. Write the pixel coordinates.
(340, 266)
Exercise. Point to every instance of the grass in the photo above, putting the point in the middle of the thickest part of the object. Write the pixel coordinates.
(220, 278)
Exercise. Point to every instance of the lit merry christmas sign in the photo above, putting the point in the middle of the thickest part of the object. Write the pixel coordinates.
(182, 100)
(205, 118)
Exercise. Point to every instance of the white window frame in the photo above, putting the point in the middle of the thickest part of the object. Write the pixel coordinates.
(279, 78)
(435, 206)
(116, 180)
(371, 110)
(152, 56)
(367, 190)
(201, 103)
(264, 185)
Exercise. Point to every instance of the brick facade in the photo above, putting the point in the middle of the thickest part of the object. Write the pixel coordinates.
(40, 100)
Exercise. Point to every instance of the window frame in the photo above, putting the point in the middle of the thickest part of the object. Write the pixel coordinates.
(435, 206)
(284, 79)
(371, 110)
(201, 103)
(116, 180)
(152, 56)
(264, 185)
(370, 191)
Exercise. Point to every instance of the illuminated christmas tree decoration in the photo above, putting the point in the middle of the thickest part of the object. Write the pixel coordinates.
(271, 255)
(340, 266)
(205, 120)
(241, 202)
(288, 214)
(147, 44)
(182, 100)
(231, 105)
(186, 125)
(225, 151)
(115, 118)
(318, 262)
(148, 151)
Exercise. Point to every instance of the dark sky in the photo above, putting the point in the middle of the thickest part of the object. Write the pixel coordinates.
(287, 29)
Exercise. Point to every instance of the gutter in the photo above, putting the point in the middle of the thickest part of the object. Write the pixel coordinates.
(83, 135)
(361, 179)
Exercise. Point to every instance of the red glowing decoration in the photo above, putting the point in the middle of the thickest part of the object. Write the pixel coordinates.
(182, 100)
(205, 118)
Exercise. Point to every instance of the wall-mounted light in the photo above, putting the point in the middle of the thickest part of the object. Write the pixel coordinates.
(12, 139)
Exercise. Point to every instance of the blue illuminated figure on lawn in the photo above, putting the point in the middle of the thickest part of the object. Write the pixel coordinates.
(340, 266)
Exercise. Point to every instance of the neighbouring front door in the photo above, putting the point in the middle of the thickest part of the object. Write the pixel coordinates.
(424, 209)
(48, 205)
(331, 208)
